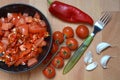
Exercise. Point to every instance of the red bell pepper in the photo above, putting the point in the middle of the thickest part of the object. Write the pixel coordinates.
(69, 13)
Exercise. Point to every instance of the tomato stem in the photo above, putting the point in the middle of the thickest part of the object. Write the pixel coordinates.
(50, 71)
(64, 52)
(49, 2)
(57, 42)
(70, 45)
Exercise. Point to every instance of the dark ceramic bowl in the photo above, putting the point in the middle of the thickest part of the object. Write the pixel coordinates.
(23, 8)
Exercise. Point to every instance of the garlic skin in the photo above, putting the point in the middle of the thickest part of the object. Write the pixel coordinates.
(88, 57)
(91, 66)
(102, 46)
(104, 60)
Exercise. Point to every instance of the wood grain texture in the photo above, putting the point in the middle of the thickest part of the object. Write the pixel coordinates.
(6, 2)
(113, 30)
(109, 34)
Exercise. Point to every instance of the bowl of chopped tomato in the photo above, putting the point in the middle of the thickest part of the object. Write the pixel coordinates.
(25, 37)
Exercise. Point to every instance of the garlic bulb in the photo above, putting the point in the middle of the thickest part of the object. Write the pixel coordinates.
(101, 46)
(104, 61)
(88, 57)
(91, 66)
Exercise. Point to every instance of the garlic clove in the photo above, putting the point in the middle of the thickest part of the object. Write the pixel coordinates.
(88, 57)
(102, 46)
(90, 60)
(91, 66)
(104, 60)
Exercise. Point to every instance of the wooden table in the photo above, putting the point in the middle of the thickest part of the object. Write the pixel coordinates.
(110, 34)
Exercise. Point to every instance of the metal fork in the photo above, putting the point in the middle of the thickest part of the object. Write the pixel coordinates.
(98, 26)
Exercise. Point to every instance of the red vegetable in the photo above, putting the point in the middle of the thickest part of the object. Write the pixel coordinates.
(65, 52)
(22, 38)
(69, 13)
(55, 47)
(68, 32)
(82, 31)
(32, 61)
(49, 72)
(58, 62)
(72, 43)
(58, 37)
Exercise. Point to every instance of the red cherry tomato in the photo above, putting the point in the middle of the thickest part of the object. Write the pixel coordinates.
(82, 31)
(49, 72)
(58, 62)
(65, 52)
(68, 32)
(54, 48)
(72, 43)
(58, 37)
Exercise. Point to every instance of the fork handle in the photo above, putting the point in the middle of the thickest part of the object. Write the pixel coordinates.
(78, 53)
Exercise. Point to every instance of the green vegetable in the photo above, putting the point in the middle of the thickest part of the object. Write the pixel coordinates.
(77, 55)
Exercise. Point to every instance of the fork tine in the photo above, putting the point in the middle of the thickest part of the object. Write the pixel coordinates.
(107, 19)
(103, 16)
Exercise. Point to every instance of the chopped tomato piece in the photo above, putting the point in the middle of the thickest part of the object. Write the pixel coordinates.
(1, 32)
(35, 28)
(6, 33)
(24, 29)
(1, 47)
(31, 62)
(38, 42)
(7, 26)
(5, 42)
(28, 19)
(42, 23)
(26, 52)
(20, 22)
(12, 37)
(37, 15)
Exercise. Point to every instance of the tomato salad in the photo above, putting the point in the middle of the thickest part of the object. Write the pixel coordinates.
(22, 38)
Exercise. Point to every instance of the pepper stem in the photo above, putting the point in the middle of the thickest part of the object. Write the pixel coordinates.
(49, 2)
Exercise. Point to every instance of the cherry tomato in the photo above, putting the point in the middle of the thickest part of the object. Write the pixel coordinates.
(65, 52)
(49, 72)
(54, 48)
(58, 62)
(72, 43)
(82, 31)
(58, 37)
(68, 32)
